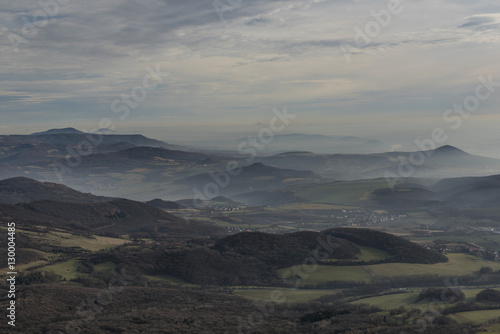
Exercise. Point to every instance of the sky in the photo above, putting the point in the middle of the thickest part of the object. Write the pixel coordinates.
(387, 70)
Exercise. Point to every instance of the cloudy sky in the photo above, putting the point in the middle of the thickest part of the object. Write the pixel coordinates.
(230, 62)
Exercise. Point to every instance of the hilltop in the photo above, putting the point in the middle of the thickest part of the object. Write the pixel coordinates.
(165, 205)
(26, 190)
(58, 131)
(253, 258)
(43, 148)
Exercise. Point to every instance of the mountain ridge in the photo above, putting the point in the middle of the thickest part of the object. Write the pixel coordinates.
(33, 203)
(25, 190)
(442, 162)
(68, 130)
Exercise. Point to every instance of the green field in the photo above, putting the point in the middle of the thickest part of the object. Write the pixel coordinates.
(67, 270)
(168, 279)
(407, 299)
(392, 301)
(92, 244)
(495, 329)
(340, 193)
(458, 264)
(470, 294)
(228, 224)
(326, 273)
(367, 254)
(105, 268)
(64, 239)
(287, 296)
(476, 317)
(490, 241)
(24, 267)
(310, 206)
(371, 254)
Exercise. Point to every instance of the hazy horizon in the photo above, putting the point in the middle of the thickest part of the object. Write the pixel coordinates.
(197, 137)
(227, 70)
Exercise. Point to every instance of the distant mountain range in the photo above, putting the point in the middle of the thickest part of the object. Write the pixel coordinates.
(326, 144)
(57, 143)
(141, 168)
(452, 194)
(443, 162)
(58, 132)
(466, 192)
(71, 131)
(322, 144)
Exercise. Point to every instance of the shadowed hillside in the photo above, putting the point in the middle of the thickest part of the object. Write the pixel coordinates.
(284, 250)
(165, 205)
(57, 206)
(252, 258)
(25, 190)
(401, 250)
(117, 217)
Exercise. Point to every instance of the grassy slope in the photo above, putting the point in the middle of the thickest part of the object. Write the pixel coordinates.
(459, 264)
(105, 268)
(368, 254)
(492, 240)
(67, 270)
(169, 279)
(289, 295)
(326, 273)
(476, 317)
(371, 254)
(408, 299)
(92, 244)
(57, 238)
(495, 329)
(388, 302)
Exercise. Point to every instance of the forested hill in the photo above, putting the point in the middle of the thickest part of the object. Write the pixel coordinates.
(252, 258)
(401, 250)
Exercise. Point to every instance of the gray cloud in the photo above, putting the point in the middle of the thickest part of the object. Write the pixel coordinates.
(482, 21)
(264, 53)
(5, 98)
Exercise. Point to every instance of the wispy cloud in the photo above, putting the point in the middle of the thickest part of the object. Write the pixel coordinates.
(482, 21)
(265, 53)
